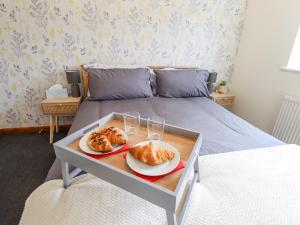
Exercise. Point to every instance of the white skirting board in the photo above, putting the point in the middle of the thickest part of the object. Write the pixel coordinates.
(250, 187)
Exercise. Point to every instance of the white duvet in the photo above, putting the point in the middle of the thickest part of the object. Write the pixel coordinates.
(251, 187)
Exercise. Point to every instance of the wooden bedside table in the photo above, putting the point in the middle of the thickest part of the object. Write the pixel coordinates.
(59, 107)
(222, 99)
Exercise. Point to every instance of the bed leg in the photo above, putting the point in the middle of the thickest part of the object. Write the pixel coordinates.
(65, 173)
(196, 169)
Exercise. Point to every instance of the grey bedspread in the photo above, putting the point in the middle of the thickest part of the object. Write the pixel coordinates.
(222, 130)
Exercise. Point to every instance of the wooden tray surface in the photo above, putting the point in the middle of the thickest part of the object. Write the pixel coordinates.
(183, 144)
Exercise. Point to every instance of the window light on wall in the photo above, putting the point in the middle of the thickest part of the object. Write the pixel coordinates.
(294, 61)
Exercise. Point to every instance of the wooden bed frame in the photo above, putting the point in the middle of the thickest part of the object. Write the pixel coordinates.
(85, 75)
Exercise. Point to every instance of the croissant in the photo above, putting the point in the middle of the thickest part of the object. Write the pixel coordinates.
(114, 135)
(151, 154)
(99, 143)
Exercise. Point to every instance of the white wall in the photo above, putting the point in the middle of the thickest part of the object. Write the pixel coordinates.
(267, 39)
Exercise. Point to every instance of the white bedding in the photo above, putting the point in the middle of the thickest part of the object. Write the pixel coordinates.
(260, 186)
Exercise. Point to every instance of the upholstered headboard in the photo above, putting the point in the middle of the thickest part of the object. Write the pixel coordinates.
(85, 75)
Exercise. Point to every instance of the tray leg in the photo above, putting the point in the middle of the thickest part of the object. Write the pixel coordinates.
(65, 173)
(183, 213)
(56, 124)
(171, 218)
(51, 128)
(196, 169)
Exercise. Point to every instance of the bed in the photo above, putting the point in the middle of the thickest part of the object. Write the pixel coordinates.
(247, 176)
(250, 187)
(222, 130)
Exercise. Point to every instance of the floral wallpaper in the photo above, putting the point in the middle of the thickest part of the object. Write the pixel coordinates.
(39, 37)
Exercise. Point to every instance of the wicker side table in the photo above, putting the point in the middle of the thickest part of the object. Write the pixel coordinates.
(59, 107)
(225, 100)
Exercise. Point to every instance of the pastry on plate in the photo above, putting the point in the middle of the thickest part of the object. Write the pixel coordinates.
(114, 135)
(99, 143)
(151, 154)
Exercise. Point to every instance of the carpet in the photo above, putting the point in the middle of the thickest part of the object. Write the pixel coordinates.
(24, 163)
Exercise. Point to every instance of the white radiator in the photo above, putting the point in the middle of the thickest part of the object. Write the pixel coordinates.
(287, 126)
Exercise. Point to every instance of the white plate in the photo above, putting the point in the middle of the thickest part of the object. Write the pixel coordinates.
(142, 168)
(85, 147)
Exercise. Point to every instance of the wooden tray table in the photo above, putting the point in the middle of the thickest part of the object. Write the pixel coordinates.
(169, 192)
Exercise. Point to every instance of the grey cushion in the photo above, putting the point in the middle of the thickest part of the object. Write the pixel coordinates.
(182, 83)
(109, 84)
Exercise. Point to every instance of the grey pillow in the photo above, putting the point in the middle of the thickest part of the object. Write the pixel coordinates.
(108, 84)
(182, 83)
